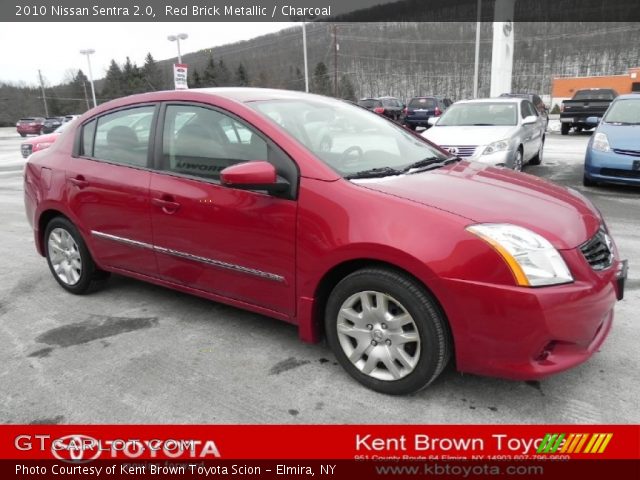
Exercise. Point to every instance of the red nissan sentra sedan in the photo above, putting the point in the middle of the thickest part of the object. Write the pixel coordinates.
(318, 213)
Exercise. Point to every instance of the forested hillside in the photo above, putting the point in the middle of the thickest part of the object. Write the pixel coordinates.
(391, 58)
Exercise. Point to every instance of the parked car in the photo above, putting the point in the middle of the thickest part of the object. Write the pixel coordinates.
(496, 131)
(420, 109)
(51, 123)
(400, 253)
(390, 107)
(587, 103)
(613, 151)
(68, 118)
(542, 109)
(30, 126)
(42, 141)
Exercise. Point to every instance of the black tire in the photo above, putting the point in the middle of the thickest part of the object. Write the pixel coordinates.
(564, 128)
(432, 328)
(587, 182)
(537, 160)
(91, 277)
(578, 129)
(411, 127)
(23, 135)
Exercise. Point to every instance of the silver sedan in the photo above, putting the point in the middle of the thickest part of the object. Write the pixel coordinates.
(497, 131)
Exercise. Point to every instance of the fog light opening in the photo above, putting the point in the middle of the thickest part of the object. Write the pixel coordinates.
(546, 351)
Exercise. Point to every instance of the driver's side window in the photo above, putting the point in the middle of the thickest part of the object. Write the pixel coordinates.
(202, 142)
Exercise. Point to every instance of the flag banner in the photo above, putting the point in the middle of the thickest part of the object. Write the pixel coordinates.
(180, 71)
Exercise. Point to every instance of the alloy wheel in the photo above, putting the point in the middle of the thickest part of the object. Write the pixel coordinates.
(378, 335)
(65, 256)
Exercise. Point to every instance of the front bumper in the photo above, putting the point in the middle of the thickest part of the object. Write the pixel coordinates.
(530, 333)
(497, 159)
(611, 167)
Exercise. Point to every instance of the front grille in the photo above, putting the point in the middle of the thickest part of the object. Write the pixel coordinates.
(632, 153)
(461, 150)
(26, 149)
(598, 251)
(617, 172)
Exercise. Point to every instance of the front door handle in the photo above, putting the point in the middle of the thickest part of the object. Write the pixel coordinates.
(79, 181)
(168, 205)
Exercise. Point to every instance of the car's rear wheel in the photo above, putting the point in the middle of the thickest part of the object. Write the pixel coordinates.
(387, 331)
(23, 135)
(564, 128)
(69, 259)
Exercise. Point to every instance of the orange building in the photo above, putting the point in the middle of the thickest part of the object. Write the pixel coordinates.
(565, 87)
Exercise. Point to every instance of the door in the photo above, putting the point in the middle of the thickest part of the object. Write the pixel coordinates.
(108, 189)
(532, 133)
(235, 243)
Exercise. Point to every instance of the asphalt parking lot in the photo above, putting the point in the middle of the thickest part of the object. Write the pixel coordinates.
(137, 353)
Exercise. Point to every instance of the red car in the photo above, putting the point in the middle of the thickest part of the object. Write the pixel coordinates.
(315, 212)
(30, 126)
(41, 142)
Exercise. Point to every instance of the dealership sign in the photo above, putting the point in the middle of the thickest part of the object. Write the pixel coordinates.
(180, 76)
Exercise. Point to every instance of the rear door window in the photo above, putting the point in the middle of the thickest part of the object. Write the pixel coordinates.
(422, 103)
(121, 137)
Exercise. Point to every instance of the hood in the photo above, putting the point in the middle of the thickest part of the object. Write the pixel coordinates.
(485, 194)
(468, 135)
(625, 137)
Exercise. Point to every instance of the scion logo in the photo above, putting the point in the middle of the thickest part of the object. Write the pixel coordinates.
(76, 448)
(574, 443)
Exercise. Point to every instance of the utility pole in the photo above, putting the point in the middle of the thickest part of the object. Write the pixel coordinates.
(336, 47)
(44, 98)
(476, 70)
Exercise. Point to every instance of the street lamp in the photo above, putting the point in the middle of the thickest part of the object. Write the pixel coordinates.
(88, 53)
(177, 38)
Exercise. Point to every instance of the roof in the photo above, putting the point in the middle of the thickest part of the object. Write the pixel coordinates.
(627, 96)
(250, 94)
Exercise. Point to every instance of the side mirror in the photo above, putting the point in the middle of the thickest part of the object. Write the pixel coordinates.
(433, 120)
(258, 175)
(593, 120)
(530, 120)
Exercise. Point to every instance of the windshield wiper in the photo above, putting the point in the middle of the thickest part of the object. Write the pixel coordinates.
(374, 172)
(483, 124)
(431, 163)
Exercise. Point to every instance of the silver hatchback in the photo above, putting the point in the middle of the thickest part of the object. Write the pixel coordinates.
(497, 131)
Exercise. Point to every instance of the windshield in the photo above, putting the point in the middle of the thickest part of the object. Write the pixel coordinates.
(347, 138)
(370, 103)
(594, 95)
(624, 111)
(422, 103)
(481, 114)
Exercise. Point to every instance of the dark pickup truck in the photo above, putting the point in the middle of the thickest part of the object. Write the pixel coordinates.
(592, 102)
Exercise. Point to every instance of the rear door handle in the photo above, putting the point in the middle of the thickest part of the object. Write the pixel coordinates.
(167, 205)
(79, 181)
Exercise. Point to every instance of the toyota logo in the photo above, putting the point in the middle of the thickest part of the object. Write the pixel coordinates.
(452, 150)
(76, 448)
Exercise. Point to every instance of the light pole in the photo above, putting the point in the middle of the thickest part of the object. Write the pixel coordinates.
(88, 53)
(177, 38)
(304, 48)
(476, 69)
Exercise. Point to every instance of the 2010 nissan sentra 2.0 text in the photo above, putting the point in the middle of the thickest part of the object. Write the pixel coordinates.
(319, 213)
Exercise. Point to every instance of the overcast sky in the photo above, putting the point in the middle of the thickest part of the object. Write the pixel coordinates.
(54, 47)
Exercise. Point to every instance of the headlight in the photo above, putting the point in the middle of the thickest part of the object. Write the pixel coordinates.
(600, 142)
(498, 146)
(533, 261)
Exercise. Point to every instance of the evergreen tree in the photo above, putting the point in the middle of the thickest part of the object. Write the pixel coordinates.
(346, 89)
(321, 81)
(195, 81)
(152, 74)
(210, 74)
(132, 78)
(242, 77)
(112, 87)
(224, 75)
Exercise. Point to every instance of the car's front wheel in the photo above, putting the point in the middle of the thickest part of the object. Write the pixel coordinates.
(387, 331)
(518, 161)
(69, 259)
